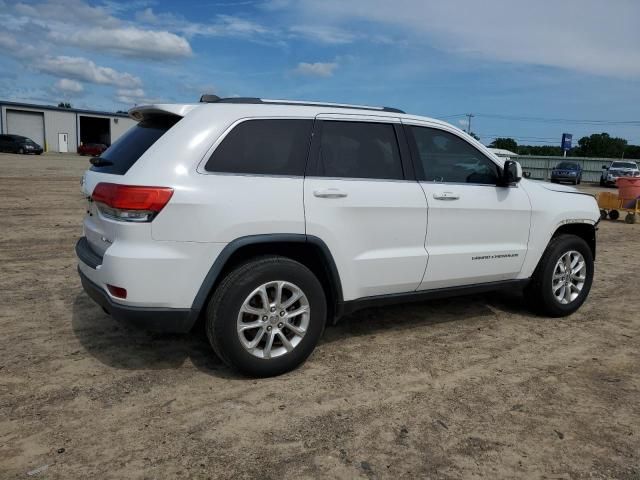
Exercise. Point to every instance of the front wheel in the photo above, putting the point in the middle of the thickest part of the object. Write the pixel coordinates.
(266, 316)
(563, 277)
(21, 151)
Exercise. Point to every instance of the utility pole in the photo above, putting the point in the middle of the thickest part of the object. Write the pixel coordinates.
(469, 117)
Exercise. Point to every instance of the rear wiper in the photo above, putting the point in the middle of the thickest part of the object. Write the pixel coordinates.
(100, 162)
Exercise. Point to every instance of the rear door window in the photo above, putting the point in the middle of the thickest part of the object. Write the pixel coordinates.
(359, 150)
(264, 147)
(125, 152)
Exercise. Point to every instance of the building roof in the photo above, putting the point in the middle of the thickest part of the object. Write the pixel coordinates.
(61, 109)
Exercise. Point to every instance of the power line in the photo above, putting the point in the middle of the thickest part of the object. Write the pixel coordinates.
(559, 120)
(469, 117)
(520, 118)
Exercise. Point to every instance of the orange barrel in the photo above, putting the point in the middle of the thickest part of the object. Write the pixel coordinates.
(628, 188)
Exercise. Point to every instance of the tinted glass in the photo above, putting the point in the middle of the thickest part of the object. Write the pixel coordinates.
(264, 147)
(359, 150)
(623, 165)
(445, 157)
(567, 166)
(122, 154)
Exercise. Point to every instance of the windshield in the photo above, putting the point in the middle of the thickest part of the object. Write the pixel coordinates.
(567, 166)
(624, 165)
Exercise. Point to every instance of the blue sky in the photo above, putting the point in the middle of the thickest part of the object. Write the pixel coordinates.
(529, 70)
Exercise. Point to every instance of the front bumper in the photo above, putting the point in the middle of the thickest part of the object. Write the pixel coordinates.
(174, 320)
(565, 178)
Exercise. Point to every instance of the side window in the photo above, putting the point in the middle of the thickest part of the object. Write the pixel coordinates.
(359, 150)
(445, 157)
(264, 147)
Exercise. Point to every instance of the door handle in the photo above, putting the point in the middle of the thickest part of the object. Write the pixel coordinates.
(446, 196)
(329, 193)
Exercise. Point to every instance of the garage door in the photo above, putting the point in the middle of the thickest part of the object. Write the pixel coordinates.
(27, 124)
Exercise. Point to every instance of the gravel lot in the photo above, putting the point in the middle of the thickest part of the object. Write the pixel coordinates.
(474, 387)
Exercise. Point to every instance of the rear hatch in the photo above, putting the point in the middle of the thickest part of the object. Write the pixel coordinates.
(103, 224)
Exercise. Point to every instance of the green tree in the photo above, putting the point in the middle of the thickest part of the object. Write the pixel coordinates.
(474, 136)
(64, 105)
(506, 144)
(601, 145)
(632, 151)
(542, 150)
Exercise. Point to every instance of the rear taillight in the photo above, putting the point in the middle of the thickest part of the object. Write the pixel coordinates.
(130, 203)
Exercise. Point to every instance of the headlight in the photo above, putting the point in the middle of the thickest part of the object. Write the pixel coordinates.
(573, 173)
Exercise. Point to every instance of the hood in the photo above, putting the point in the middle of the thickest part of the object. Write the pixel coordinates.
(555, 187)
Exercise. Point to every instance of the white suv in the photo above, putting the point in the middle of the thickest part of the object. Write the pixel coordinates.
(268, 219)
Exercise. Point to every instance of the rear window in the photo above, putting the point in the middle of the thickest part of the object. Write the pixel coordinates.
(359, 150)
(264, 147)
(121, 155)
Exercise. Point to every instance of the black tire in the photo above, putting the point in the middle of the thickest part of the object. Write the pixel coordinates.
(601, 182)
(630, 218)
(539, 293)
(579, 180)
(553, 180)
(21, 151)
(614, 214)
(224, 307)
(603, 214)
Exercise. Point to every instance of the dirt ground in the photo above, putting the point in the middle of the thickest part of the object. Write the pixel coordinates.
(474, 387)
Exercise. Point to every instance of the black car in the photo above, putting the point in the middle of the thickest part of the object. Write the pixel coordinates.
(19, 144)
(567, 172)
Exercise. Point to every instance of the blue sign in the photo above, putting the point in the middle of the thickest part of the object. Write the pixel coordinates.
(566, 141)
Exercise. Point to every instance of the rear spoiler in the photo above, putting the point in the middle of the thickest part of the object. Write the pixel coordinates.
(143, 111)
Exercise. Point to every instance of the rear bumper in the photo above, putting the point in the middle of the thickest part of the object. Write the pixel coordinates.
(174, 320)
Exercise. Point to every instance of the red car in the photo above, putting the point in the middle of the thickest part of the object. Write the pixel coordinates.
(93, 149)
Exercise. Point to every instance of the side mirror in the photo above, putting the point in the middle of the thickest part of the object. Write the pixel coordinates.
(511, 173)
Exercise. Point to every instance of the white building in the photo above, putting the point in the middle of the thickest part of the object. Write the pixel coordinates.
(62, 129)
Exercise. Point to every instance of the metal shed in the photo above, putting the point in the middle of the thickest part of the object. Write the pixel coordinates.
(62, 129)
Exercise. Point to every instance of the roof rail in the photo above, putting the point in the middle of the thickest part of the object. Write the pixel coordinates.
(255, 100)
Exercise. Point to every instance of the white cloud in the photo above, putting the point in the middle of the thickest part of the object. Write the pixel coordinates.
(134, 96)
(80, 68)
(323, 34)
(68, 86)
(128, 41)
(318, 69)
(78, 11)
(221, 26)
(589, 36)
(93, 29)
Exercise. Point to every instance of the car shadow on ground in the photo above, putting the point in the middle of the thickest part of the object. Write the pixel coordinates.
(122, 347)
(371, 321)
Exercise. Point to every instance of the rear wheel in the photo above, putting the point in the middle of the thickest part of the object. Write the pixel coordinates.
(601, 182)
(614, 214)
(563, 277)
(266, 316)
(630, 218)
(21, 151)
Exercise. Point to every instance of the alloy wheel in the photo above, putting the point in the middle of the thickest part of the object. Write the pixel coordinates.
(273, 319)
(569, 277)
